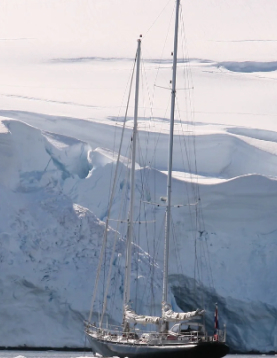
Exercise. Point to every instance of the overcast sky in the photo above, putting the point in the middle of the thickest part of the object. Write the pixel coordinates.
(215, 29)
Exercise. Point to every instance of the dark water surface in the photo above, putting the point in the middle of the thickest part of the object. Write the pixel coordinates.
(44, 354)
(54, 354)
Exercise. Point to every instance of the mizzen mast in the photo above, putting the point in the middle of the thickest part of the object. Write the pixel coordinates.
(132, 194)
(170, 153)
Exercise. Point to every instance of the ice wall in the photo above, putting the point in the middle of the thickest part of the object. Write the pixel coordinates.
(53, 189)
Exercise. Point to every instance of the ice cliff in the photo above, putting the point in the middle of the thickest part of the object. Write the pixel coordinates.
(54, 193)
(49, 244)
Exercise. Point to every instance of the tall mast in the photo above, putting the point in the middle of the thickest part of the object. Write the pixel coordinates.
(170, 151)
(132, 198)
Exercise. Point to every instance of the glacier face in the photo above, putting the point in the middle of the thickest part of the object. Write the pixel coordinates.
(50, 245)
(53, 190)
(39, 227)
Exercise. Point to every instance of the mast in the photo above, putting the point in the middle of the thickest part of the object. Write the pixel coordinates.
(170, 151)
(132, 194)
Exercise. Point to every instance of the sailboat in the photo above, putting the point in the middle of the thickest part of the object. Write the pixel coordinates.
(178, 334)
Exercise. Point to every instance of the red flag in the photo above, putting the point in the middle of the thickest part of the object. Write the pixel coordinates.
(216, 326)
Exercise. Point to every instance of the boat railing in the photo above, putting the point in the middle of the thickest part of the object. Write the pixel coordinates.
(219, 336)
(94, 327)
(135, 336)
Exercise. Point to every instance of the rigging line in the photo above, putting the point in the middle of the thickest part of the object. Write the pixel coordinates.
(148, 256)
(111, 265)
(186, 57)
(188, 76)
(172, 206)
(188, 162)
(191, 184)
(143, 175)
(166, 88)
(186, 145)
(151, 107)
(152, 268)
(124, 199)
(123, 207)
(148, 89)
(196, 263)
(205, 254)
(138, 134)
(205, 244)
(209, 260)
(146, 33)
(187, 73)
(212, 112)
(178, 89)
(137, 266)
(110, 204)
(204, 258)
(128, 85)
(195, 260)
(190, 80)
(162, 54)
(161, 234)
(109, 279)
(187, 191)
(124, 167)
(145, 80)
(159, 135)
(139, 218)
(177, 252)
(115, 286)
(154, 241)
(145, 186)
(151, 259)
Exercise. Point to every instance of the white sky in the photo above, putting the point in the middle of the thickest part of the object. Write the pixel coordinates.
(215, 29)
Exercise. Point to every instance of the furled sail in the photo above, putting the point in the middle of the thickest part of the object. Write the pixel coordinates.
(132, 317)
(170, 316)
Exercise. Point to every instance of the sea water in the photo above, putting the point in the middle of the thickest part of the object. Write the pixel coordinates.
(54, 354)
(44, 354)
